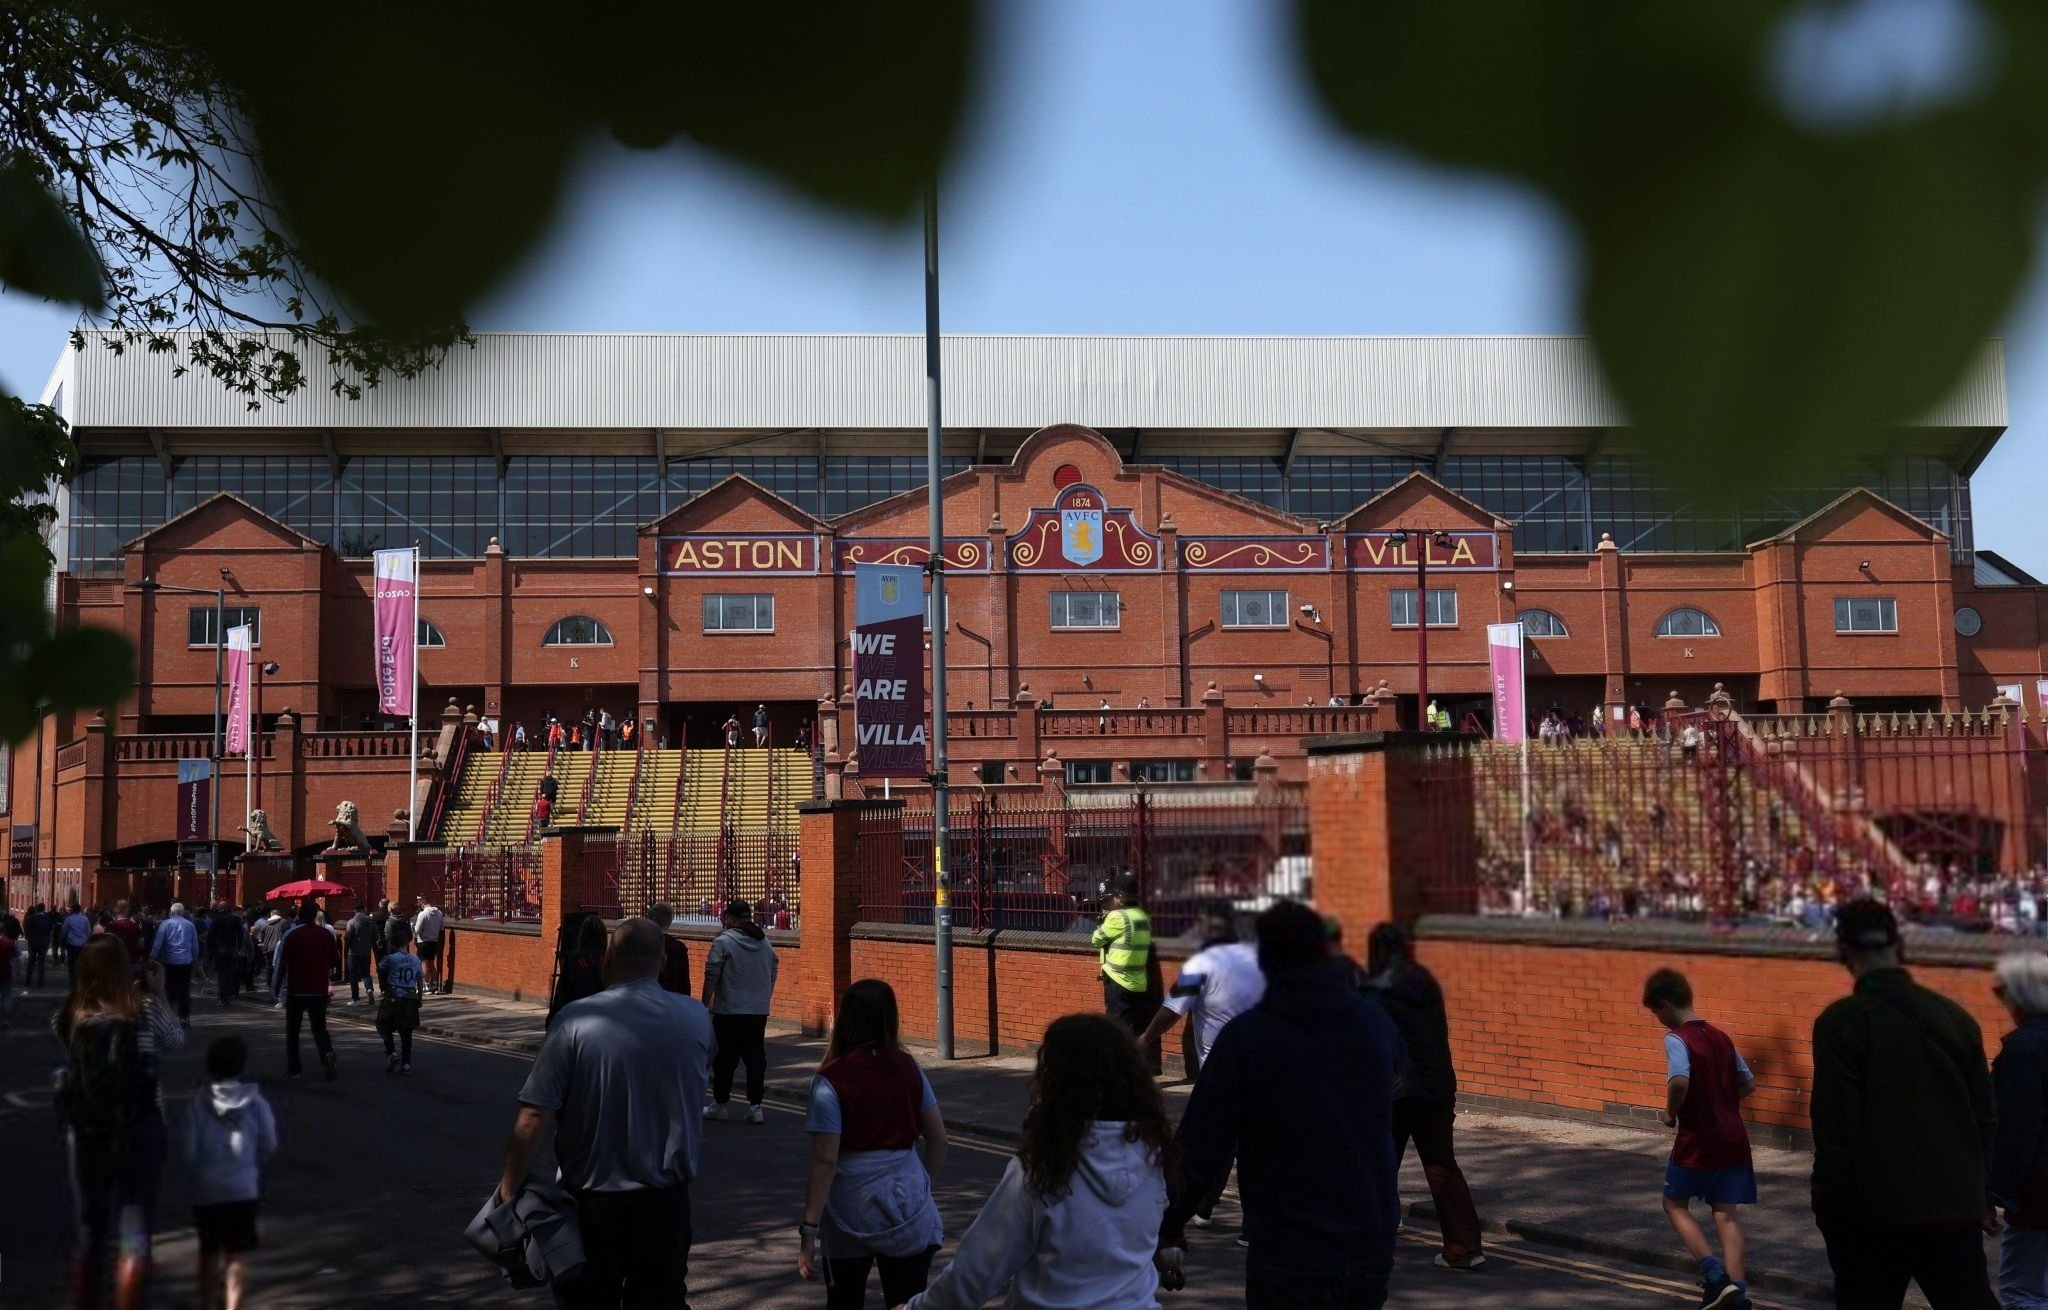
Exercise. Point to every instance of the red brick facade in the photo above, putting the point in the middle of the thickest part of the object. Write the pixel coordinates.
(1773, 605)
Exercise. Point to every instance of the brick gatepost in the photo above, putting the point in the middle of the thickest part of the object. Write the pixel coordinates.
(1385, 810)
(829, 836)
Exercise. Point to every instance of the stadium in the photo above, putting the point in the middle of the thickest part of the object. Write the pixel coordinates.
(659, 531)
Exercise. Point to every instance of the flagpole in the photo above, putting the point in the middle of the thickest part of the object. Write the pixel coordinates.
(942, 881)
(412, 772)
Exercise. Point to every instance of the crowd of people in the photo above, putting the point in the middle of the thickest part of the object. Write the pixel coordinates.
(1920, 1148)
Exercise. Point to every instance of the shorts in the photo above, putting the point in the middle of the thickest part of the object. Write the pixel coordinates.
(1735, 1185)
(430, 950)
(229, 1227)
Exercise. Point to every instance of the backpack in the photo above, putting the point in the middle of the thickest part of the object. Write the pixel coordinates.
(103, 1080)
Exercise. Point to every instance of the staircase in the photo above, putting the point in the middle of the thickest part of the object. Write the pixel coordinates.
(611, 792)
(465, 813)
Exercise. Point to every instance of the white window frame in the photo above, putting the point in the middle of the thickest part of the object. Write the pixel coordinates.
(1230, 608)
(1062, 618)
(233, 616)
(1887, 616)
(1709, 627)
(602, 634)
(715, 600)
(1436, 602)
(1104, 768)
(1559, 628)
(430, 637)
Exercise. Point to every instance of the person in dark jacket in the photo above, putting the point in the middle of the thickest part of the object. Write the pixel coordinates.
(2019, 1154)
(675, 959)
(225, 939)
(1301, 1089)
(302, 977)
(582, 971)
(1426, 1088)
(1903, 1118)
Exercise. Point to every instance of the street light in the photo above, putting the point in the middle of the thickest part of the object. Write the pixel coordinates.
(149, 586)
(1441, 540)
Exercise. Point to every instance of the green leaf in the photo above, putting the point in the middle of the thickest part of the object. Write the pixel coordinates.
(417, 152)
(41, 252)
(1763, 297)
(42, 670)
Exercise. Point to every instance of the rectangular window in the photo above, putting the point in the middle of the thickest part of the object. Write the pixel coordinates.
(1163, 770)
(1254, 609)
(1084, 609)
(1085, 771)
(752, 613)
(1873, 615)
(199, 624)
(1443, 608)
(990, 772)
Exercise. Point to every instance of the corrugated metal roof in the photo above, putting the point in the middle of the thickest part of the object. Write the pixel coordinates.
(568, 380)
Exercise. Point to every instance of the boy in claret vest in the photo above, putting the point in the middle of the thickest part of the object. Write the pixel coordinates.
(1706, 1082)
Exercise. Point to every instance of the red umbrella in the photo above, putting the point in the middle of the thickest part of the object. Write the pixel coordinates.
(291, 891)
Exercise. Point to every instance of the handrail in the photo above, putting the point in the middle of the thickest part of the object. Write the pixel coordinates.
(768, 814)
(450, 779)
(532, 811)
(496, 790)
(589, 781)
(633, 785)
(723, 865)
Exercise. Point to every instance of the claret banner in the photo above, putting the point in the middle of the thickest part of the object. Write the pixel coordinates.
(888, 671)
(240, 676)
(397, 614)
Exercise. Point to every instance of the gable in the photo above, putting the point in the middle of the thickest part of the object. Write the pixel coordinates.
(737, 504)
(1859, 516)
(223, 522)
(1420, 501)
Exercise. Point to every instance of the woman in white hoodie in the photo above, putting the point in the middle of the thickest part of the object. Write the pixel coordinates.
(1074, 1223)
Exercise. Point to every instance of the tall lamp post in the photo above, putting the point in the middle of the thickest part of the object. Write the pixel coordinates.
(1426, 538)
(149, 586)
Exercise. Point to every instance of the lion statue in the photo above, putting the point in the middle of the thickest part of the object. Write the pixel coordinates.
(348, 833)
(261, 838)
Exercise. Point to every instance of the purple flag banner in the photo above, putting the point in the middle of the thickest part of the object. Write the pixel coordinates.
(21, 851)
(1504, 663)
(888, 671)
(396, 599)
(241, 671)
(195, 800)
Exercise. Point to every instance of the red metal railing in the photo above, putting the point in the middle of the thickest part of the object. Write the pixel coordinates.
(451, 779)
(501, 885)
(1044, 865)
(685, 872)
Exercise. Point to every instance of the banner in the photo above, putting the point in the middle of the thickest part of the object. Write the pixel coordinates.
(1504, 664)
(396, 601)
(241, 669)
(888, 671)
(195, 800)
(21, 851)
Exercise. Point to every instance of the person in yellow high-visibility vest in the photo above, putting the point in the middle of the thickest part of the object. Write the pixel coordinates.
(1124, 944)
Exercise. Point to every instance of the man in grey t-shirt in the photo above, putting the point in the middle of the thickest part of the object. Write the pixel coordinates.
(621, 1079)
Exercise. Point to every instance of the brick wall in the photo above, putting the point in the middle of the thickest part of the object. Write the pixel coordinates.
(1562, 1027)
(517, 962)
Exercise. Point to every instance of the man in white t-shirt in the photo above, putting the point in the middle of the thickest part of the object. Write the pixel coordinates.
(1216, 984)
(426, 936)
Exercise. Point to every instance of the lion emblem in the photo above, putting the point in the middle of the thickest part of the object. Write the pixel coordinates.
(261, 838)
(348, 833)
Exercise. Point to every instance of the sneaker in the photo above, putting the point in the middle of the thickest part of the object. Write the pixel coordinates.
(406, 1067)
(1472, 1261)
(391, 1063)
(1200, 1221)
(755, 1115)
(1243, 1243)
(1720, 1290)
(717, 1111)
(327, 1062)
(295, 1074)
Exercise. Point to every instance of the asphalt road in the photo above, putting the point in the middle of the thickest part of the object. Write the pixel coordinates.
(377, 1175)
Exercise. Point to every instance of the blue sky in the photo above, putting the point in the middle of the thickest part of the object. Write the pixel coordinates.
(1134, 167)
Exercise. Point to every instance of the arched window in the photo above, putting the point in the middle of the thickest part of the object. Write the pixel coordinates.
(1687, 623)
(430, 635)
(1542, 623)
(578, 630)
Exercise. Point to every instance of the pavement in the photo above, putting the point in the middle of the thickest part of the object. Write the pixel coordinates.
(378, 1174)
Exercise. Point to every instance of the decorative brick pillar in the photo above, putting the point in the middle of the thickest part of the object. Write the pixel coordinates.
(1215, 740)
(562, 890)
(1025, 705)
(1371, 867)
(830, 836)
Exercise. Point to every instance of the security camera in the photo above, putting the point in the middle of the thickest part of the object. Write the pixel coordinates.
(1258, 677)
(647, 590)
(1308, 609)
(271, 668)
(1323, 527)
